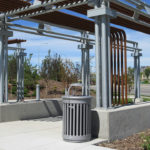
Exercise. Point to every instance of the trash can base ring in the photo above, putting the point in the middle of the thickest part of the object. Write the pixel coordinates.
(77, 139)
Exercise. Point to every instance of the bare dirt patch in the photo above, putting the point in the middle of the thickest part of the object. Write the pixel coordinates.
(134, 142)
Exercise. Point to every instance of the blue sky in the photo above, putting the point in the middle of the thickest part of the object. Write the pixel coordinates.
(39, 46)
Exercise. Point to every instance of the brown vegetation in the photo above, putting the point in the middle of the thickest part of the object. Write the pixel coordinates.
(135, 142)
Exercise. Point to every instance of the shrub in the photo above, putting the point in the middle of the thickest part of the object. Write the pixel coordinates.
(146, 142)
(146, 82)
(14, 90)
(63, 92)
(26, 91)
(34, 93)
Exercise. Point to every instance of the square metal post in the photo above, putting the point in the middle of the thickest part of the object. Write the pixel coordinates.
(106, 81)
(22, 82)
(1, 68)
(85, 64)
(98, 62)
(20, 73)
(87, 72)
(139, 81)
(4, 34)
(6, 69)
(137, 86)
(102, 14)
(83, 71)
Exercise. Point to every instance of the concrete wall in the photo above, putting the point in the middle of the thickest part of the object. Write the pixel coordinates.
(120, 122)
(30, 110)
(107, 124)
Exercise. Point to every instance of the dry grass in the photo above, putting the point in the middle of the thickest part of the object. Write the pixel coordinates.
(52, 89)
(131, 143)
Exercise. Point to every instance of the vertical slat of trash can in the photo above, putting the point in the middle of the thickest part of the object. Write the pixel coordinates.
(84, 119)
(81, 119)
(87, 114)
(67, 119)
(74, 118)
(77, 120)
(89, 120)
(64, 125)
(70, 119)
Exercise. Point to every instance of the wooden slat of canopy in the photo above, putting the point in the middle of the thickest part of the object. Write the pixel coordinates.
(118, 21)
(83, 8)
(15, 41)
(66, 20)
(71, 21)
(7, 5)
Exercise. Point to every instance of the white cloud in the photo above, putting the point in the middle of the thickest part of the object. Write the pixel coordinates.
(39, 46)
(142, 39)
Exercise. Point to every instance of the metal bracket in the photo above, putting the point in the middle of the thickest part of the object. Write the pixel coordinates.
(136, 15)
(85, 46)
(91, 2)
(21, 54)
(7, 33)
(37, 2)
(136, 54)
(100, 12)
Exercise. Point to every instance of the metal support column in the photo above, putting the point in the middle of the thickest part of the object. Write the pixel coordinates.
(98, 60)
(83, 71)
(137, 56)
(4, 34)
(6, 69)
(102, 14)
(87, 53)
(138, 79)
(1, 68)
(85, 64)
(20, 73)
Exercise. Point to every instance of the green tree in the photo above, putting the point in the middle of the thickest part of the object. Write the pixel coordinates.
(147, 72)
(55, 68)
(12, 68)
(130, 79)
(30, 73)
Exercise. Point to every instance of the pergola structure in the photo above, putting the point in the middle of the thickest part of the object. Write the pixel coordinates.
(98, 16)
(20, 70)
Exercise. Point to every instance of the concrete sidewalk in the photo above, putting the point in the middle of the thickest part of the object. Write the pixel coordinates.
(39, 134)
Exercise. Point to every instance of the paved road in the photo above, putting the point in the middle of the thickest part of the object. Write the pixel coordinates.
(145, 89)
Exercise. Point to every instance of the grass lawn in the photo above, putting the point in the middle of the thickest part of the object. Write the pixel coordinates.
(146, 99)
(130, 101)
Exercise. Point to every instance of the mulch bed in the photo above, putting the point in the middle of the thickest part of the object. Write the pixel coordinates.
(131, 143)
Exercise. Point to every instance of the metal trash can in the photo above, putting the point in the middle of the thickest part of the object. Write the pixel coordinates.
(77, 118)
